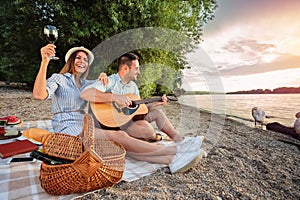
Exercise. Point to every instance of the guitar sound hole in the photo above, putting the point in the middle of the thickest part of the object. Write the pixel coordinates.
(133, 105)
(129, 110)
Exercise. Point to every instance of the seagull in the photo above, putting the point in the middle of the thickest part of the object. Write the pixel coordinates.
(258, 115)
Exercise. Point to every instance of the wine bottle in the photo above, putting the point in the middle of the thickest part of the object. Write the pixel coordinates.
(50, 160)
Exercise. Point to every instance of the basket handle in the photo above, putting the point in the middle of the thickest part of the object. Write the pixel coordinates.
(88, 132)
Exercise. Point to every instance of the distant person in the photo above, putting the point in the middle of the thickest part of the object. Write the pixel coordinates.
(297, 123)
(291, 131)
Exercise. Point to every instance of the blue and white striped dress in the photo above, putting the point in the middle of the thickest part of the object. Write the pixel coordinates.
(68, 108)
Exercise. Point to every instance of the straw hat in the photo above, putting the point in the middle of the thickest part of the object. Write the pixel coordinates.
(74, 49)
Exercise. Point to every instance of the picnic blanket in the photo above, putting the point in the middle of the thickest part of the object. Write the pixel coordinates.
(21, 180)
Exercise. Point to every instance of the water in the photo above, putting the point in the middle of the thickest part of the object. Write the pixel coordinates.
(279, 107)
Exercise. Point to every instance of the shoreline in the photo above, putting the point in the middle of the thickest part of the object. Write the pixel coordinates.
(242, 163)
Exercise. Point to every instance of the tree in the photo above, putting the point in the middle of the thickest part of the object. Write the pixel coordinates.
(90, 23)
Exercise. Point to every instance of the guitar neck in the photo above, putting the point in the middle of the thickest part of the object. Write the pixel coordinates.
(145, 101)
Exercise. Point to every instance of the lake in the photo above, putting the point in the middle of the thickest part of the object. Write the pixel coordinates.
(279, 107)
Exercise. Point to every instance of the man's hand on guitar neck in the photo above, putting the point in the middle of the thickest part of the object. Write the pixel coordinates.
(126, 100)
(163, 101)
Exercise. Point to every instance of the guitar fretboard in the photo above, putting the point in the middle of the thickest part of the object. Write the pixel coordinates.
(145, 101)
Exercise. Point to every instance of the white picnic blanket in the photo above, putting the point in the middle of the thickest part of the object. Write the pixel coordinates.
(21, 180)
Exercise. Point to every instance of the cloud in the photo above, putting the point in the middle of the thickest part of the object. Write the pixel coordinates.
(241, 45)
(249, 40)
(282, 62)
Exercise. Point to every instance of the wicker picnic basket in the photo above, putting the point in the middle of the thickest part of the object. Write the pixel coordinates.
(98, 165)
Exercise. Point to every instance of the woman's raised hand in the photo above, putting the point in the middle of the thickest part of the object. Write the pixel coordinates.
(47, 51)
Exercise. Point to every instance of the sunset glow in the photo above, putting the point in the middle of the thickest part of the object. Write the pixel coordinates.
(252, 44)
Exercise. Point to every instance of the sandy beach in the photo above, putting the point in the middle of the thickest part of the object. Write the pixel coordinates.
(242, 163)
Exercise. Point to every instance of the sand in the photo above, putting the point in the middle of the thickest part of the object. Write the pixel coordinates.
(242, 163)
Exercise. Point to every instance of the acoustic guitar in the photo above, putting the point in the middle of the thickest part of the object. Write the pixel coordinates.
(113, 115)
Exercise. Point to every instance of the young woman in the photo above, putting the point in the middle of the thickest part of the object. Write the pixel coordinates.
(64, 88)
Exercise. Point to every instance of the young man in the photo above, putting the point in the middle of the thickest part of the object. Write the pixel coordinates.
(116, 92)
(123, 83)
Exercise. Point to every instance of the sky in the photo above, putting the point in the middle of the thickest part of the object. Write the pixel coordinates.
(250, 44)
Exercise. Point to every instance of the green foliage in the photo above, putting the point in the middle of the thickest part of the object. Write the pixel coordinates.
(89, 23)
(158, 72)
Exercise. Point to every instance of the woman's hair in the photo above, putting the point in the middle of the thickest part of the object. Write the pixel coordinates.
(126, 59)
(70, 67)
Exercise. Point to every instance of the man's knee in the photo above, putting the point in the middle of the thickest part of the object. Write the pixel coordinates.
(141, 129)
(143, 125)
(157, 113)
